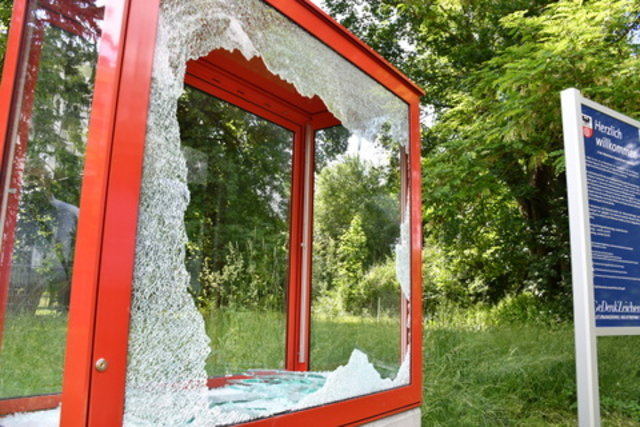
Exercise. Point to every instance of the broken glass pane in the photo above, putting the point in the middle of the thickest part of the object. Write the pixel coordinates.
(168, 348)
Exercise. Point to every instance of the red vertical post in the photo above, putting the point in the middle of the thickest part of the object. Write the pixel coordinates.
(405, 303)
(127, 125)
(415, 227)
(78, 368)
(306, 273)
(295, 252)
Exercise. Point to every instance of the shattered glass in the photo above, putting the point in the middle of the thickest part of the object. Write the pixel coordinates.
(191, 29)
(266, 394)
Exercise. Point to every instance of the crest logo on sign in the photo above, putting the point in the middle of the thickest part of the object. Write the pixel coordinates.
(587, 126)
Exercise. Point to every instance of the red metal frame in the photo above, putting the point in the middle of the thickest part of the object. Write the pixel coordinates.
(415, 195)
(89, 241)
(303, 360)
(316, 22)
(296, 221)
(105, 248)
(30, 403)
(220, 75)
(227, 76)
(405, 304)
(106, 396)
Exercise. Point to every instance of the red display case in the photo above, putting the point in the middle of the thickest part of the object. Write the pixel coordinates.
(110, 174)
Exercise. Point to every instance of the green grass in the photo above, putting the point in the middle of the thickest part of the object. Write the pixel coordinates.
(475, 373)
(333, 340)
(498, 376)
(522, 376)
(32, 354)
(242, 340)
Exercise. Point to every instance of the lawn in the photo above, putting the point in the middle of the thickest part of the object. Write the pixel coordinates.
(522, 375)
(474, 375)
(32, 354)
(245, 340)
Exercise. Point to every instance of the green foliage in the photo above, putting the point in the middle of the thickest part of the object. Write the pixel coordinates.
(237, 220)
(352, 254)
(379, 290)
(5, 18)
(495, 217)
(374, 291)
(513, 310)
(356, 224)
(252, 277)
(330, 144)
(437, 43)
(526, 309)
(239, 184)
(501, 142)
(444, 276)
(353, 187)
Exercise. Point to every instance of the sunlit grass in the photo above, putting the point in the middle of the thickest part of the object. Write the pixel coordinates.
(484, 375)
(333, 339)
(242, 340)
(522, 375)
(32, 355)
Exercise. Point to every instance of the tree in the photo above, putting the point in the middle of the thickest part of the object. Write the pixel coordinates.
(5, 17)
(53, 134)
(438, 42)
(237, 220)
(352, 255)
(494, 185)
(240, 188)
(509, 127)
(353, 187)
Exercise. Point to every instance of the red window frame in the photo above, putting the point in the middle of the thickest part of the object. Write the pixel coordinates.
(106, 235)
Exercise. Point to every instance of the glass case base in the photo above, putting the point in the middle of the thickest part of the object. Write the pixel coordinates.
(409, 418)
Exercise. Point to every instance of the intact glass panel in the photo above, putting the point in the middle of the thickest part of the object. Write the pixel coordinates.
(41, 192)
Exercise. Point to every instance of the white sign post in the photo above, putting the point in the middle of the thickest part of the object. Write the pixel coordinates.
(602, 153)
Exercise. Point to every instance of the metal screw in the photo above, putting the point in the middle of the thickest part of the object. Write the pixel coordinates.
(101, 365)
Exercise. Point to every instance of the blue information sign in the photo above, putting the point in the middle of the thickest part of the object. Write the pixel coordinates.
(612, 155)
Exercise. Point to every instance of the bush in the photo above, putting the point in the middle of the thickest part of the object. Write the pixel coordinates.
(377, 294)
(252, 276)
(524, 308)
(379, 290)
